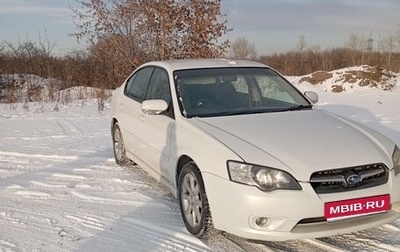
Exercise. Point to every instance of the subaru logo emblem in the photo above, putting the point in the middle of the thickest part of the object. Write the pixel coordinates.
(353, 179)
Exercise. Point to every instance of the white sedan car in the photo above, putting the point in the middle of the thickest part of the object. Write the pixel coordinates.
(245, 152)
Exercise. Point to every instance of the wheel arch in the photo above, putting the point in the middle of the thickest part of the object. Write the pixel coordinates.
(113, 122)
(184, 159)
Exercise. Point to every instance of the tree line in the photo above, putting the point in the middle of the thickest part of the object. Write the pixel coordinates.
(306, 59)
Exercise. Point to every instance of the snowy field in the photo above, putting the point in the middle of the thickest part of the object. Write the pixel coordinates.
(60, 189)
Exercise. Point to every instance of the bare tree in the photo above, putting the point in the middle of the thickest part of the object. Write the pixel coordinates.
(46, 47)
(241, 48)
(388, 45)
(301, 43)
(356, 45)
(140, 30)
(398, 35)
(301, 48)
(31, 56)
(25, 53)
(398, 41)
(2, 58)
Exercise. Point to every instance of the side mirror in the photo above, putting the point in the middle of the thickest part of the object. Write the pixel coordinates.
(154, 107)
(312, 96)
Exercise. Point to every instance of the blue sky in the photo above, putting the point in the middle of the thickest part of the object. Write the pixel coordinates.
(272, 25)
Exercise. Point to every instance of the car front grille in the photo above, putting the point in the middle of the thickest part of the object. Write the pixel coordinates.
(348, 179)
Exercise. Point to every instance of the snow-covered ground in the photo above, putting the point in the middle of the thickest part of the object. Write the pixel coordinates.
(60, 189)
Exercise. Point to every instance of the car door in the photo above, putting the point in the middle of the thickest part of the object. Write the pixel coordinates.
(157, 128)
(130, 112)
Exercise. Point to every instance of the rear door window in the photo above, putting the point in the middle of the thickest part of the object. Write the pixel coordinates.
(138, 84)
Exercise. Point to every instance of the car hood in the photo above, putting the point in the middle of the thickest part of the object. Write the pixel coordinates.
(300, 142)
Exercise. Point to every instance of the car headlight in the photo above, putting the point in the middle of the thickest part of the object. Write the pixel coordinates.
(396, 160)
(265, 178)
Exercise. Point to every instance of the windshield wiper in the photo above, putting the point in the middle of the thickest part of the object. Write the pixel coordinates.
(262, 110)
(251, 111)
(298, 107)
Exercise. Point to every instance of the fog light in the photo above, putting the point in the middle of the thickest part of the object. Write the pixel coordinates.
(262, 221)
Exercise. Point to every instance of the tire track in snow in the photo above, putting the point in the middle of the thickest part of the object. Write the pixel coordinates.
(377, 239)
(132, 234)
(48, 185)
(246, 245)
(87, 221)
(391, 227)
(67, 127)
(134, 199)
(30, 194)
(68, 177)
(6, 246)
(9, 217)
(165, 238)
(325, 246)
(291, 245)
(5, 116)
(37, 156)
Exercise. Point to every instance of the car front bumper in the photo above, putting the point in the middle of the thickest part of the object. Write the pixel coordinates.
(236, 207)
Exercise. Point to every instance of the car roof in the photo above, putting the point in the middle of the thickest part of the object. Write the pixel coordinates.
(203, 63)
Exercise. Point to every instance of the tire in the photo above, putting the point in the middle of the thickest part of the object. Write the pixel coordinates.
(193, 201)
(119, 146)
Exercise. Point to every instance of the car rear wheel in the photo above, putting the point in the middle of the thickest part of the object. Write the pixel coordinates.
(119, 146)
(193, 201)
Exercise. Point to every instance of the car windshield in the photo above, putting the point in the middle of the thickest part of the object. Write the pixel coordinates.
(236, 90)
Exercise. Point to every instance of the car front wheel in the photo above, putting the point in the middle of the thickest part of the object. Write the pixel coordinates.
(119, 146)
(193, 201)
